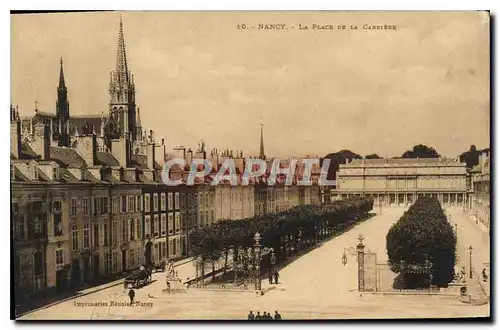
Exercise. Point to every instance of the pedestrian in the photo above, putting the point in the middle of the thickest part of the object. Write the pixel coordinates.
(251, 317)
(270, 277)
(485, 276)
(258, 316)
(131, 295)
(276, 277)
(277, 316)
(264, 315)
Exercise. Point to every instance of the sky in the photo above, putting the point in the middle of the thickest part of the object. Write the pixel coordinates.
(199, 76)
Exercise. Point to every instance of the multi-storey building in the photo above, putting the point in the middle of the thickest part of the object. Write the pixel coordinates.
(481, 185)
(399, 181)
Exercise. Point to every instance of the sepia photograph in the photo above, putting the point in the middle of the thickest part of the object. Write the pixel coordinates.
(250, 165)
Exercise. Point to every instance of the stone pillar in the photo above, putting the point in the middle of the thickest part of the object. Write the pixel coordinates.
(361, 264)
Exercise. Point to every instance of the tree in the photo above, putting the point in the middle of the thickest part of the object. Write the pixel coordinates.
(421, 151)
(422, 234)
(373, 156)
(336, 159)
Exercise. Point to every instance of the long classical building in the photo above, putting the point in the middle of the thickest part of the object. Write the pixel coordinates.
(400, 181)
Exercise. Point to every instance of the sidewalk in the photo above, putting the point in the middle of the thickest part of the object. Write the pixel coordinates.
(80, 293)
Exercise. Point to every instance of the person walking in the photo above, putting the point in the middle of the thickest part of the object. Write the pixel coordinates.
(277, 316)
(270, 277)
(131, 295)
(276, 277)
(251, 317)
(258, 316)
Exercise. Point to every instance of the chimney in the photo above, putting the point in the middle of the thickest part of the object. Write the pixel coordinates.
(150, 153)
(189, 157)
(86, 147)
(180, 152)
(120, 149)
(160, 153)
(15, 138)
(41, 143)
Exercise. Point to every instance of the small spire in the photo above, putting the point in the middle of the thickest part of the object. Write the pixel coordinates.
(138, 119)
(262, 155)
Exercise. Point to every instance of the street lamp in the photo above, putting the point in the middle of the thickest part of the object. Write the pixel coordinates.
(257, 262)
(470, 261)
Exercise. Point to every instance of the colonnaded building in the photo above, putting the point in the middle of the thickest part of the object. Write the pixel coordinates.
(400, 181)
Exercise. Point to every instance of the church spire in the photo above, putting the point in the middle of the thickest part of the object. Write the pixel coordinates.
(122, 73)
(262, 155)
(62, 84)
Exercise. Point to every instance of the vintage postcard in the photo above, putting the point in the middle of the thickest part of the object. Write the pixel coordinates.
(250, 165)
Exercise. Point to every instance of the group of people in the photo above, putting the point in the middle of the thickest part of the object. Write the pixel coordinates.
(273, 274)
(264, 316)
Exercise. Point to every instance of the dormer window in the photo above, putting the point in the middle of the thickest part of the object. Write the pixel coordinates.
(34, 172)
(55, 173)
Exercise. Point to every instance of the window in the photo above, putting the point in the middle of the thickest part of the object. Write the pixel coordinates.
(124, 204)
(96, 235)
(163, 224)
(86, 236)
(115, 261)
(73, 207)
(170, 201)
(131, 258)
(174, 244)
(147, 226)
(163, 201)
(131, 206)
(85, 206)
(74, 238)
(124, 231)
(114, 233)
(137, 203)
(59, 257)
(138, 256)
(131, 229)
(55, 173)
(177, 222)
(176, 205)
(170, 223)
(114, 207)
(164, 249)
(109, 263)
(106, 234)
(18, 221)
(170, 247)
(213, 215)
(155, 225)
(138, 228)
(58, 225)
(147, 204)
(155, 202)
(34, 171)
(94, 206)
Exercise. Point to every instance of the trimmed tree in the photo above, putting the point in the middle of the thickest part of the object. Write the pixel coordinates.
(421, 246)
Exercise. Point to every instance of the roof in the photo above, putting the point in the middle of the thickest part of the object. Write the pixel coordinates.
(27, 152)
(106, 159)
(93, 121)
(67, 157)
(403, 161)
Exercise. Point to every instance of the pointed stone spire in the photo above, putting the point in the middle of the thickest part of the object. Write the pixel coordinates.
(62, 83)
(138, 118)
(262, 154)
(122, 72)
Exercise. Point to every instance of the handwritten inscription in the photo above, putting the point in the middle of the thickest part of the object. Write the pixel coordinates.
(316, 27)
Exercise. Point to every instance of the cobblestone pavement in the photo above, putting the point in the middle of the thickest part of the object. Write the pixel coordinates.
(315, 286)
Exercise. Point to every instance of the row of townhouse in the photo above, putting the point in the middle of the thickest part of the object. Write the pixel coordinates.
(81, 215)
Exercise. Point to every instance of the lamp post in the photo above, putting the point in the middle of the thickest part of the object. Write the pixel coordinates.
(470, 261)
(257, 261)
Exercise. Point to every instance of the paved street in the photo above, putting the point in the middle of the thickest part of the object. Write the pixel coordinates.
(316, 285)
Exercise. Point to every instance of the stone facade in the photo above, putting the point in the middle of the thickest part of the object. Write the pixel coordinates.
(400, 181)
(481, 186)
